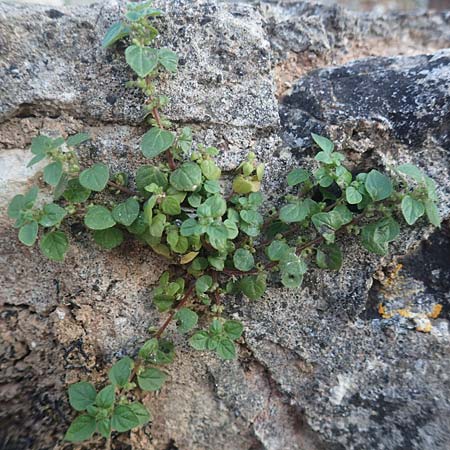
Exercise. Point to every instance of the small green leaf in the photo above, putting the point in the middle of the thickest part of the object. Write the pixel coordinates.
(28, 233)
(226, 349)
(253, 218)
(189, 227)
(432, 213)
(215, 206)
(81, 429)
(163, 302)
(171, 206)
(210, 169)
(81, 395)
(158, 224)
(151, 379)
(99, 218)
(116, 32)
(232, 228)
(329, 222)
(353, 196)
(431, 189)
(212, 186)
(199, 340)
(216, 327)
(15, 206)
(120, 372)
(294, 212)
(77, 139)
(169, 59)
(53, 215)
(292, 268)
(188, 319)
(141, 412)
(217, 262)
(126, 213)
(244, 186)
(165, 353)
(243, 260)
(104, 427)
(411, 171)
(41, 144)
(217, 235)
(253, 286)
(378, 186)
(329, 257)
(297, 176)
(233, 329)
(124, 419)
(142, 60)
(147, 175)
(36, 159)
(75, 193)
(185, 140)
(412, 209)
(212, 343)
(324, 143)
(54, 245)
(375, 237)
(188, 177)
(61, 186)
(105, 398)
(53, 173)
(203, 284)
(277, 250)
(109, 238)
(139, 226)
(141, 12)
(95, 178)
(156, 141)
(148, 349)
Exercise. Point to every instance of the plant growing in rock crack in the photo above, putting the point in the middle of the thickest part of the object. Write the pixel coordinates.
(212, 233)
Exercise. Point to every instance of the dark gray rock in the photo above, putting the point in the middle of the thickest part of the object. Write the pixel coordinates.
(408, 95)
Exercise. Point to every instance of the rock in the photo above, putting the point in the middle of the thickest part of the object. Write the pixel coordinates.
(380, 109)
(58, 65)
(318, 368)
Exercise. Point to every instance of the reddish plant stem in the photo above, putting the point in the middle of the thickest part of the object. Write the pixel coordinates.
(183, 301)
(123, 189)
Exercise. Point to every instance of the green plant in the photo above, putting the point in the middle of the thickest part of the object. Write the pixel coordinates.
(211, 232)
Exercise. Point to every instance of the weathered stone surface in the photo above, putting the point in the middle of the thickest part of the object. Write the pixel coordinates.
(54, 64)
(382, 110)
(319, 368)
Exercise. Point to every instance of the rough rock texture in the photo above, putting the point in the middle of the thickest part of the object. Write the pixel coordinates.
(318, 368)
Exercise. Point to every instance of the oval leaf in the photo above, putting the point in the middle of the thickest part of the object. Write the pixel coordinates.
(99, 218)
(95, 178)
(54, 245)
(81, 395)
(156, 141)
(142, 60)
(151, 379)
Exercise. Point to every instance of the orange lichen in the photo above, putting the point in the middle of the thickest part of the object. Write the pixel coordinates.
(393, 275)
(405, 313)
(383, 313)
(421, 320)
(423, 325)
(437, 309)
